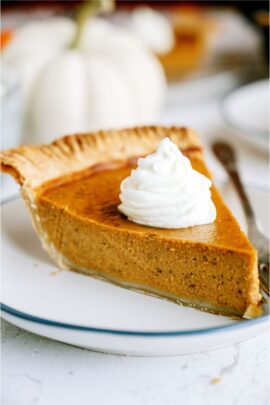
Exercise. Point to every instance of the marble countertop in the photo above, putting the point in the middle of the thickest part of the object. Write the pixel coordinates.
(36, 370)
(39, 371)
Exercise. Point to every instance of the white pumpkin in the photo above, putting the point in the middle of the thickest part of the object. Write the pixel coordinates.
(110, 81)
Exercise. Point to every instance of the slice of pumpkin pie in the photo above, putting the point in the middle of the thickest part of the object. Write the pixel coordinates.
(155, 224)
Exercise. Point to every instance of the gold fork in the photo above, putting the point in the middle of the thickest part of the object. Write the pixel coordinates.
(227, 157)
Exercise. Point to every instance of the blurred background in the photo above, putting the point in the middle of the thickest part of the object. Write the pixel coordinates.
(70, 66)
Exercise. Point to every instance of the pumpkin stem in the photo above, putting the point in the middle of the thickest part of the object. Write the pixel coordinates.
(88, 9)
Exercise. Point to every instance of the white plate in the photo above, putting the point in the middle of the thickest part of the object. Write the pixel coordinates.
(82, 311)
(246, 113)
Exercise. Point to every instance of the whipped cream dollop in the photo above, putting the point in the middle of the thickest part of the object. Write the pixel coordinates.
(164, 191)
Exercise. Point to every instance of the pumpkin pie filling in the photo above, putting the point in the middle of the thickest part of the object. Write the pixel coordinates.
(145, 256)
(212, 267)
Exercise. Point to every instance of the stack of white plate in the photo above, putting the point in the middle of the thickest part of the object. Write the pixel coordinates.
(246, 113)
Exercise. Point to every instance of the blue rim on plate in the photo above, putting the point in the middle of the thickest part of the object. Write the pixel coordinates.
(243, 323)
(82, 328)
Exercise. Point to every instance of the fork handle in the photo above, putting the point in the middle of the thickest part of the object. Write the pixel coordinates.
(242, 194)
(227, 157)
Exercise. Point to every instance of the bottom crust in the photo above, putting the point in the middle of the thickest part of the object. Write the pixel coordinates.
(251, 312)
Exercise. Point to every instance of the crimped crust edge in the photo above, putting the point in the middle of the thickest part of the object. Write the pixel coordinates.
(33, 165)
